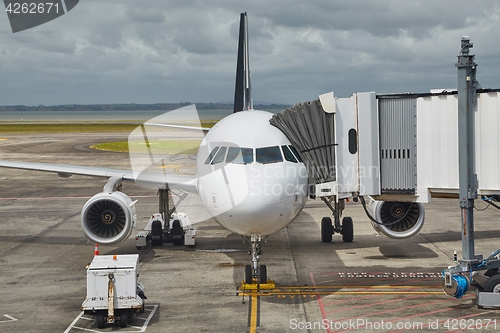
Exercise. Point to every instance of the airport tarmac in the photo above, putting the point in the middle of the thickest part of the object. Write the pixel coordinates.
(373, 284)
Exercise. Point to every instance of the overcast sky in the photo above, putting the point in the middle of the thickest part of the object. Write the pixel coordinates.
(158, 51)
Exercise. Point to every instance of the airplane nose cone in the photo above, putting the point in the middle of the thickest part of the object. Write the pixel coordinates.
(253, 199)
(255, 215)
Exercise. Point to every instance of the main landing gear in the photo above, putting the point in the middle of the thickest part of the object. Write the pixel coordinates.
(255, 274)
(328, 229)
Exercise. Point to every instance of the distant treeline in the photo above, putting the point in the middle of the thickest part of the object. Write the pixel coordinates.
(134, 107)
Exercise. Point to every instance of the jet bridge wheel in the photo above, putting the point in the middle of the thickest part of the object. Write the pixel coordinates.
(491, 272)
(493, 284)
(347, 229)
(326, 229)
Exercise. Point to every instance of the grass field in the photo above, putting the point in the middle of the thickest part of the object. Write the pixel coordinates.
(168, 147)
(157, 147)
(83, 127)
(33, 128)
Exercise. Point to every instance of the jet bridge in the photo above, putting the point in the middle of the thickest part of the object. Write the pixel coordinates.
(398, 149)
(404, 149)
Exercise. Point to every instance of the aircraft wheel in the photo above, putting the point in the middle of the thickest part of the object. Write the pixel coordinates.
(248, 274)
(156, 233)
(493, 284)
(177, 233)
(100, 320)
(263, 274)
(326, 230)
(347, 229)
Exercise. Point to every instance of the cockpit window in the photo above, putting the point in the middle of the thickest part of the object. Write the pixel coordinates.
(220, 155)
(296, 153)
(268, 154)
(211, 155)
(288, 154)
(239, 155)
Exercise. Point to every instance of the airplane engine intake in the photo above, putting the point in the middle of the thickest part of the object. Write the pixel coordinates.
(399, 219)
(108, 218)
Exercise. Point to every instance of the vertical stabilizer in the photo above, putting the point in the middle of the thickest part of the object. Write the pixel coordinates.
(242, 90)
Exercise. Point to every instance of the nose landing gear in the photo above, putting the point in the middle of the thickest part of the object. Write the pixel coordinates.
(255, 274)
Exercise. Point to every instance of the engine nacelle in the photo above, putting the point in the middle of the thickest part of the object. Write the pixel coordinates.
(400, 219)
(108, 218)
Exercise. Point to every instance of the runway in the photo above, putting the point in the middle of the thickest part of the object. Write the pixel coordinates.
(374, 284)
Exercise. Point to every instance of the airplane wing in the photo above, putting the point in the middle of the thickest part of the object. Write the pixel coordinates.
(175, 181)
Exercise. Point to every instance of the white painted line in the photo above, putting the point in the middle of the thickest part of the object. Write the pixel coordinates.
(141, 329)
(9, 317)
(74, 322)
(149, 318)
(136, 327)
(85, 329)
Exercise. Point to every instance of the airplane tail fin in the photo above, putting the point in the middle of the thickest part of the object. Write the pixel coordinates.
(243, 91)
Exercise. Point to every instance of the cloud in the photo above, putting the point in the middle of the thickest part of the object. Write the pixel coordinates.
(171, 51)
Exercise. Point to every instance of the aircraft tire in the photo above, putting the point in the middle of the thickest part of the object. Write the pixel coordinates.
(248, 274)
(177, 233)
(263, 274)
(156, 233)
(326, 229)
(347, 229)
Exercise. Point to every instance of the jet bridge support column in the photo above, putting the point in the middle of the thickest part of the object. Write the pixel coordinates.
(467, 99)
(457, 279)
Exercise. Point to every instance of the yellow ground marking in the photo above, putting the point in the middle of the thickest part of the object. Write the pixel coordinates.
(169, 166)
(269, 285)
(388, 286)
(3, 139)
(254, 291)
(253, 311)
(293, 291)
(176, 167)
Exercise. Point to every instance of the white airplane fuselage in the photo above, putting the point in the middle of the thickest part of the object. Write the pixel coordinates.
(250, 179)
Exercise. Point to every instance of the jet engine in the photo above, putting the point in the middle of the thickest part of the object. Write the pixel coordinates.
(397, 219)
(108, 218)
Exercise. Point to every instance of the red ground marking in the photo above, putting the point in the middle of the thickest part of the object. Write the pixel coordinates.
(324, 313)
(392, 310)
(443, 321)
(320, 302)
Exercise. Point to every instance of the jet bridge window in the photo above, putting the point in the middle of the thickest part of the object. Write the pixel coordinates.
(220, 155)
(239, 155)
(288, 154)
(269, 155)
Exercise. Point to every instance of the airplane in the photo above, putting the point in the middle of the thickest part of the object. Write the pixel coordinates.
(249, 176)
